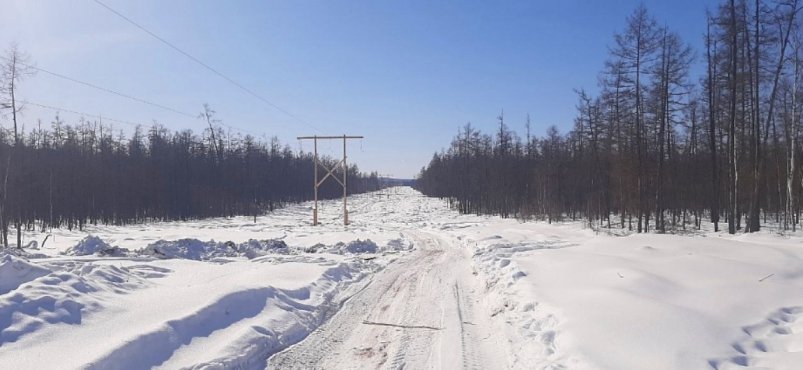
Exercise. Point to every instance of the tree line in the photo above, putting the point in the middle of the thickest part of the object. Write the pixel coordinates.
(654, 149)
(71, 175)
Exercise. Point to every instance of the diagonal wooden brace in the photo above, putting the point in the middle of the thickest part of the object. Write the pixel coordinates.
(330, 172)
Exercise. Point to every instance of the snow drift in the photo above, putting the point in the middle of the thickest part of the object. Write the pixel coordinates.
(194, 249)
(15, 271)
(93, 245)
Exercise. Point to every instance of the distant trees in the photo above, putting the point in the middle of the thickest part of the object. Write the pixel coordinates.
(13, 69)
(652, 145)
(87, 173)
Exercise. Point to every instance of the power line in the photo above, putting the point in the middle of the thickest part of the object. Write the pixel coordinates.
(194, 116)
(235, 128)
(198, 61)
(59, 109)
(110, 91)
(107, 90)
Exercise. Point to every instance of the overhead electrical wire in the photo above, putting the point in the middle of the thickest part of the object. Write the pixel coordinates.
(141, 100)
(205, 65)
(60, 109)
(101, 117)
(107, 90)
(117, 93)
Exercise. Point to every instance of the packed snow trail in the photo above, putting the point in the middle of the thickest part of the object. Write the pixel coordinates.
(419, 313)
(410, 283)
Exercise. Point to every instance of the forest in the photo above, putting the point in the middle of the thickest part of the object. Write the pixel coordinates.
(63, 175)
(656, 148)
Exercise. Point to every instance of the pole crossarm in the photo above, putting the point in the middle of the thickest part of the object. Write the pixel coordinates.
(330, 172)
(328, 137)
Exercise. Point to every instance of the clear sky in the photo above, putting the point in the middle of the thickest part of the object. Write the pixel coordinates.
(405, 74)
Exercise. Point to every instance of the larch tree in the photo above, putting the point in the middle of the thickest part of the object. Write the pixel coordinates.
(635, 49)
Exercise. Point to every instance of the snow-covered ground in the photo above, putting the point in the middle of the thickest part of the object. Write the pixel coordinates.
(222, 293)
(409, 284)
(710, 301)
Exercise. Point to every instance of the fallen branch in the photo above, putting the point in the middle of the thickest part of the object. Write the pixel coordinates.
(401, 326)
(765, 278)
(44, 241)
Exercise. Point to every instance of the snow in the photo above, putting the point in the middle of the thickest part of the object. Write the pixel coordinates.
(647, 301)
(93, 245)
(183, 310)
(222, 293)
(410, 283)
(353, 247)
(15, 271)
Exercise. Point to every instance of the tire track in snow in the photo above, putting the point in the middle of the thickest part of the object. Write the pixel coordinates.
(229, 315)
(404, 299)
(328, 339)
(468, 339)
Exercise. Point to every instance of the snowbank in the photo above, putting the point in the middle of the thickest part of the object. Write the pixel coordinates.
(534, 323)
(650, 301)
(93, 245)
(256, 248)
(58, 297)
(360, 246)
(194, 249)
(399, 245)
(15, 271)
(353, 247)
(195, 315)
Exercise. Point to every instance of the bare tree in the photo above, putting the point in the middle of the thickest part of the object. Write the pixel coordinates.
(14, 69)
(671, 86)
(209, 116)
(635, 49)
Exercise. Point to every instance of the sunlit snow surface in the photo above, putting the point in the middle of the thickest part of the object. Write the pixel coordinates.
(230, 293)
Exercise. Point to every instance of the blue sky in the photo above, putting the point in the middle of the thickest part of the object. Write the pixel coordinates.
(406, 74)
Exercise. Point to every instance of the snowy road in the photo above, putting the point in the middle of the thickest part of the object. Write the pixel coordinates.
(419, 314)
(408, 284)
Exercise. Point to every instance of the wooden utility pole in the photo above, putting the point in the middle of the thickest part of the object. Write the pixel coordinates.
(330, 172)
